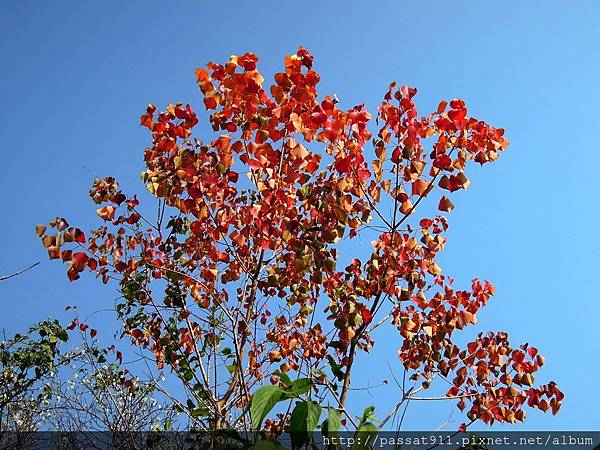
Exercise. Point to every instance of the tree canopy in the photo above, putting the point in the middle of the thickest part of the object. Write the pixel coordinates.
(235, 285)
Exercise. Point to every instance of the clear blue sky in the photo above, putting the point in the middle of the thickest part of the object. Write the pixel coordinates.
(76, 76)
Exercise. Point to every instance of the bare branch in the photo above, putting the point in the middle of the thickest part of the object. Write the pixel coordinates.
(6, 277)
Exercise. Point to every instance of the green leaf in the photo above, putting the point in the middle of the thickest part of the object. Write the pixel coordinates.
(365, 436)
(304, 420)
(262, 402)
(368, 413)
(333, 423)
(297, 388)
(366, 430)
(174, 276)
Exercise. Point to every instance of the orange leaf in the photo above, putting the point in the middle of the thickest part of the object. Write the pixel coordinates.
(106, 213)
(201, 75)
(40, 230)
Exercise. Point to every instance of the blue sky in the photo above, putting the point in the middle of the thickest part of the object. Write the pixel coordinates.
(77, 75)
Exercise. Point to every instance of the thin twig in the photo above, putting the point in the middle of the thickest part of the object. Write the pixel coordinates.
(6, 277)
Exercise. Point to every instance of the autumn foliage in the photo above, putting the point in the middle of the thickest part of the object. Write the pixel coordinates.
(236, 283)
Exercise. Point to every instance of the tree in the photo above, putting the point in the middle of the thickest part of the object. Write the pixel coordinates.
(236, 284)
(102, 405)
(79, 392)
(27, 362)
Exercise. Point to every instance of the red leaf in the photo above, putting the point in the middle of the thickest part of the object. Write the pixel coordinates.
(72, 274)
(255, 164)
(457, 115)
(443, 162)
(419, 187)
(442, 107)
(318, 117)
(312, 166)
(343, 165)
(445, 204)
(453, 391)
(74, 234)
(366, 315)
(363, 174)
(79, 261)
(472, 347)
(54, 252)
